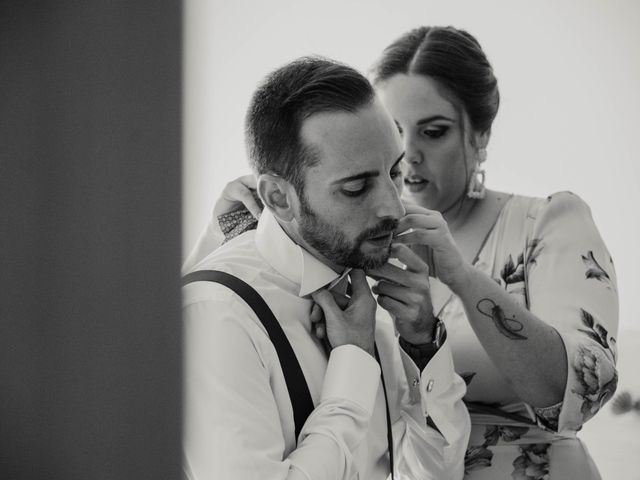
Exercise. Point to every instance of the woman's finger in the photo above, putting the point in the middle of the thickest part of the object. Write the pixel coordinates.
(242, 193)
(389, 272)
(393, 306)
(413, 264)
(392, 290)
(409, 258)
(321, 330)
(415, 237)
(249, 181)
(417, 221)
(410, 207)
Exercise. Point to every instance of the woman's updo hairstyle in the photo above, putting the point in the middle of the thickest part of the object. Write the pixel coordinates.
(455, 60)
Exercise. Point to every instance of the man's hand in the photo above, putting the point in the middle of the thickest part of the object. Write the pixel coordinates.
(406, 295)
(354, 323)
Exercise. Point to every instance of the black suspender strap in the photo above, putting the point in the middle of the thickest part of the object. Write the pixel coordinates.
(293, 376)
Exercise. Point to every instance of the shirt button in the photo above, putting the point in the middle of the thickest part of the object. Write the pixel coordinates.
(430, 385)
(416, 381)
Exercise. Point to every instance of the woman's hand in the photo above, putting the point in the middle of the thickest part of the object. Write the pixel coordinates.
(405, 294)
(430, 238)
(237, 194)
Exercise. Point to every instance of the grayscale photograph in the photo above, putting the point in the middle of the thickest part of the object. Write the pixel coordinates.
(338, 240)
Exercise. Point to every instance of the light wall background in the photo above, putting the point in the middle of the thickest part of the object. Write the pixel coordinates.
(568, 71)
(569, 75)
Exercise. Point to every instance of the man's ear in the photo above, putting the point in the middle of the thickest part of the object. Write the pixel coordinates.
(278, 195)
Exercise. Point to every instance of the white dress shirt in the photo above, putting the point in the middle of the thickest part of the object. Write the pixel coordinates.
(238, 419)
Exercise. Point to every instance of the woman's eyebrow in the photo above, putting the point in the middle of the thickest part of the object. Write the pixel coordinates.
(432, 118)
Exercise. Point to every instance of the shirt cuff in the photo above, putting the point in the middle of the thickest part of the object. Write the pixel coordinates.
(352, 374)
(438, 389)
(421, 354)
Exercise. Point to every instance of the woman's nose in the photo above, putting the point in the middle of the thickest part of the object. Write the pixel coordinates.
(412, 155)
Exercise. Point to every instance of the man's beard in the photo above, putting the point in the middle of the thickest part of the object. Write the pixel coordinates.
(332, 243)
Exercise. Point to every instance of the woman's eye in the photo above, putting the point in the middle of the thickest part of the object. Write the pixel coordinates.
(435, 132)
(353, 189)
(396, 173)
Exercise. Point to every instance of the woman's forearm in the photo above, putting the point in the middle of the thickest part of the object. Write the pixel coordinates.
(526, 350)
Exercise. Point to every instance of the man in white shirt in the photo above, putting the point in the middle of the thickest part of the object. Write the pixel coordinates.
(326, 154)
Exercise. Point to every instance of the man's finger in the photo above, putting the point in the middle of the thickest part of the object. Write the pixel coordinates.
(359, 283)
(326, 301)
(316, 314)
(341, 300)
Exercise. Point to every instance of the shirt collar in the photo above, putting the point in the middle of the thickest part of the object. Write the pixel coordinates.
(290, 259)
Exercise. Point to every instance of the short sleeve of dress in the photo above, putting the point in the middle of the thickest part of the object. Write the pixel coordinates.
(571, 285)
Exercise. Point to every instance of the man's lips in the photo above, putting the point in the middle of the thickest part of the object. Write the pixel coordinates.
(382, 239)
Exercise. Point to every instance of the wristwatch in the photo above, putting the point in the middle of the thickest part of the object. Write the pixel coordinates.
(423, 353)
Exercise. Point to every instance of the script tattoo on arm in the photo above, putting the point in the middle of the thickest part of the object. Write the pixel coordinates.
(509, 327)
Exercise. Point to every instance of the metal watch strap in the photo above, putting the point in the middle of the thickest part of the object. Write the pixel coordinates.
(423, 353)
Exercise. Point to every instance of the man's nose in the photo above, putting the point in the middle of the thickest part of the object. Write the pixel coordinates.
(389, 204)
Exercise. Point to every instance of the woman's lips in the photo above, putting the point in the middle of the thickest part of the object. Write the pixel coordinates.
(415, 184)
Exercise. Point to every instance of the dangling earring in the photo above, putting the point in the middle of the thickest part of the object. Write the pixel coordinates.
(476, 187)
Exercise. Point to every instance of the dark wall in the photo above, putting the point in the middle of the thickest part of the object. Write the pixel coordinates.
(90, 338)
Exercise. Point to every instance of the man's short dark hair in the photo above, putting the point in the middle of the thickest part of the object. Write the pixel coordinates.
(288, 96)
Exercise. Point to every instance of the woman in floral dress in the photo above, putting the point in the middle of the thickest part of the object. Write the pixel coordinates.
(525, 286)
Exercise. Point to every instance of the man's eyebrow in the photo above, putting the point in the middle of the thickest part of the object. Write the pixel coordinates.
(367, 174)
(433, 118)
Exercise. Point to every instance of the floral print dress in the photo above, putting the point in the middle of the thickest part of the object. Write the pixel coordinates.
(549, 254)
